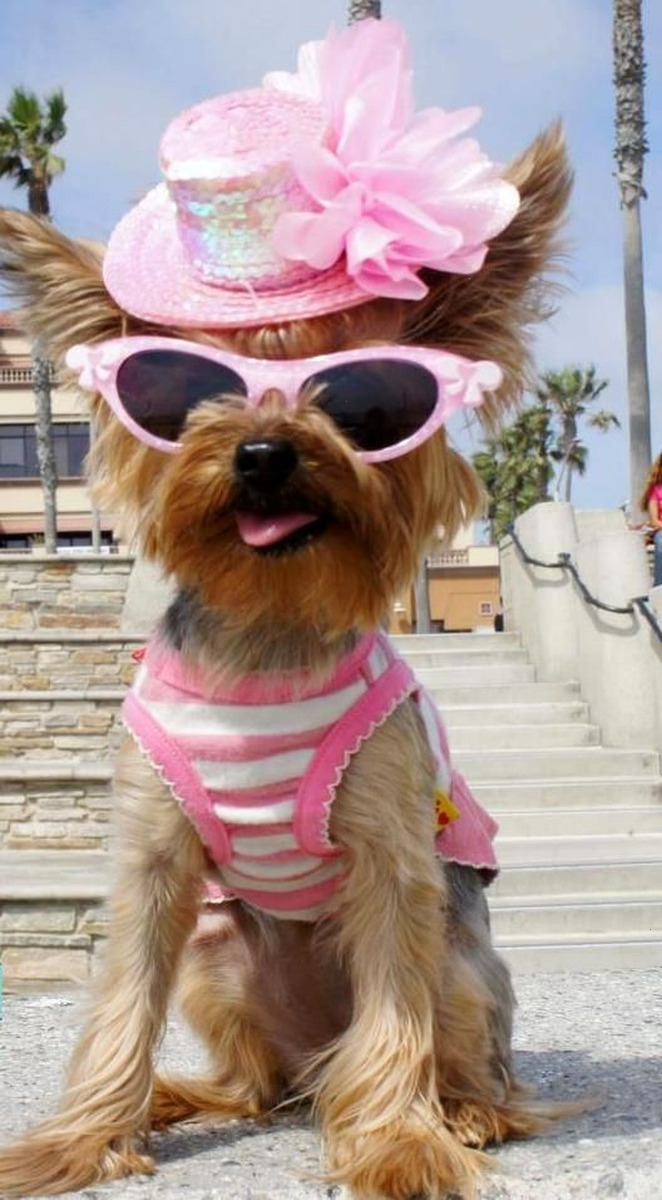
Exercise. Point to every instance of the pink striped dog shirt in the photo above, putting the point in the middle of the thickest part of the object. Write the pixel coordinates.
(255, 765)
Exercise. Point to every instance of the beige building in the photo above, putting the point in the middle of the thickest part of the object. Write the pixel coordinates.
(464, 588)
(21, 506)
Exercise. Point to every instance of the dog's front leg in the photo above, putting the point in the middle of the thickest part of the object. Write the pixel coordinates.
(105, 1107)
(382, 1121)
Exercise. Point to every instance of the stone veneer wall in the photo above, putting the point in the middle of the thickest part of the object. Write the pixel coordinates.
(50, 941)
(66, 660)
(49, 725)
(39, 591)
(61, 806)
(64, 667)
(65, 663)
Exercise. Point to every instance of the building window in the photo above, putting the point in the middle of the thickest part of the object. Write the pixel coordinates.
(486, 608)
(17, 542)
(72, 442)
(18, 450)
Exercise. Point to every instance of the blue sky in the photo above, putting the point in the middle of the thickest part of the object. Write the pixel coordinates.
(128, 67)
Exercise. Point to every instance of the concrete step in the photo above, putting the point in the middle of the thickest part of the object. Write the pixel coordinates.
(523, 737)
(465, 657)
(69, 637)
(486, 675)
(72, 885)
(610, 952)
(587, 848)
(516, 796)
(54, 875)
(52, 915)
(475, 692)
(579, 916)
(62, 770)
(523, 883)
(36, 699)
(589, 762)
(461, 716)
(626, 822)
(412, 642)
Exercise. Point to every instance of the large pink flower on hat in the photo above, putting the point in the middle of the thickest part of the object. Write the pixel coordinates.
(396, 190)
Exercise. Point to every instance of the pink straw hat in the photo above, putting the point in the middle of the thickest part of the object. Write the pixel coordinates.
(312, 193)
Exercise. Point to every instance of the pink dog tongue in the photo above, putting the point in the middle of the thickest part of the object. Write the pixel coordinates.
(266, 531)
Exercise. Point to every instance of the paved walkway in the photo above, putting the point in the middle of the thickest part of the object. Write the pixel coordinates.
(576, 1034)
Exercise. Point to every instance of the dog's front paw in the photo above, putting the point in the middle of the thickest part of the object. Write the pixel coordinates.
(416, 1156)
(45, 1164)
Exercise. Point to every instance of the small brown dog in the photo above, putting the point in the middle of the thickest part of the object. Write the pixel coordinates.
(292, 501)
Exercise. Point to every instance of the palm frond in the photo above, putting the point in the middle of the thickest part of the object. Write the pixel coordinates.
(604, 420)
(54, 124)
(54, 165)
(24, 111)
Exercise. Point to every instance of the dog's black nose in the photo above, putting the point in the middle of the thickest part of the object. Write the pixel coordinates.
(265, 464)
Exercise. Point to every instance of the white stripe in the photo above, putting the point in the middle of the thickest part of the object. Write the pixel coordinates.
(257, 772)
(262, 847)
(267, 869)
(235, 879)
(140, 677)
(270, 814)
(251, 720)
(378, 662)
(430, 719)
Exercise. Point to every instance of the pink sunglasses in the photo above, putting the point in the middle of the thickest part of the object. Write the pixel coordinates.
(386, 400)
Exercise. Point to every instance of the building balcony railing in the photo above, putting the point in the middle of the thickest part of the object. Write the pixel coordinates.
(449, 558)
(21, 376)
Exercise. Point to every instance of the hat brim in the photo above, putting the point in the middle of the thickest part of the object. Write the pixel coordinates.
(147, 273)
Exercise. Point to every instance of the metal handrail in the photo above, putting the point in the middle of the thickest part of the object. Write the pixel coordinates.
(565, 563)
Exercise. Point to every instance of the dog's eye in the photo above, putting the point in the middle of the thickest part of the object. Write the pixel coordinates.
(159, 388)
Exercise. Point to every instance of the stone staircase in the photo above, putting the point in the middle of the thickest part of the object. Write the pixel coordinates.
(580, 824)
(580, 838)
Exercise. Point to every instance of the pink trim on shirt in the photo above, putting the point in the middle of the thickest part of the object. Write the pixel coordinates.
(341, 743)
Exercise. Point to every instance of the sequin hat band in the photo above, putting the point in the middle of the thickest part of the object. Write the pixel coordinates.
(226, 205)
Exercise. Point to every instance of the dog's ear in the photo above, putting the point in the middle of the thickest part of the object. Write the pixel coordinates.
(489, 314)
(57, 284)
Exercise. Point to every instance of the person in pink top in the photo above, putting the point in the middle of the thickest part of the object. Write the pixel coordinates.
(651, 503)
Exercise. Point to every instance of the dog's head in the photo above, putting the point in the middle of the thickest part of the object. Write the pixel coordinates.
(267, 511)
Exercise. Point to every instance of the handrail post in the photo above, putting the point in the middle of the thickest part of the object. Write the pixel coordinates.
(614, 654)
(539, 604)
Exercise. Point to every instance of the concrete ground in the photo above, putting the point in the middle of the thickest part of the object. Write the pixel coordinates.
(577, 1034)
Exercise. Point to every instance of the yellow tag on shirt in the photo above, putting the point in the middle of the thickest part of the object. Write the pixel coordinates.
(446, 811)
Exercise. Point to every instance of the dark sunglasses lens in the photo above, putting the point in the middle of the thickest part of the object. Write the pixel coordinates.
(378, 403)
(159, 388)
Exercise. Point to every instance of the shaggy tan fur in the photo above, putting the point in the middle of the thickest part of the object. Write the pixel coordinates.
(394, 1016)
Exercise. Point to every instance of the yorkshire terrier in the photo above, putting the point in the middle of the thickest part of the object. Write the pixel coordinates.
(271, 347)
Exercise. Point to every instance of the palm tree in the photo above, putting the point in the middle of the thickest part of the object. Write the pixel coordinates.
(568, 394)
(516, 467)
(358, 10)
(631, 146)
(28, 132)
